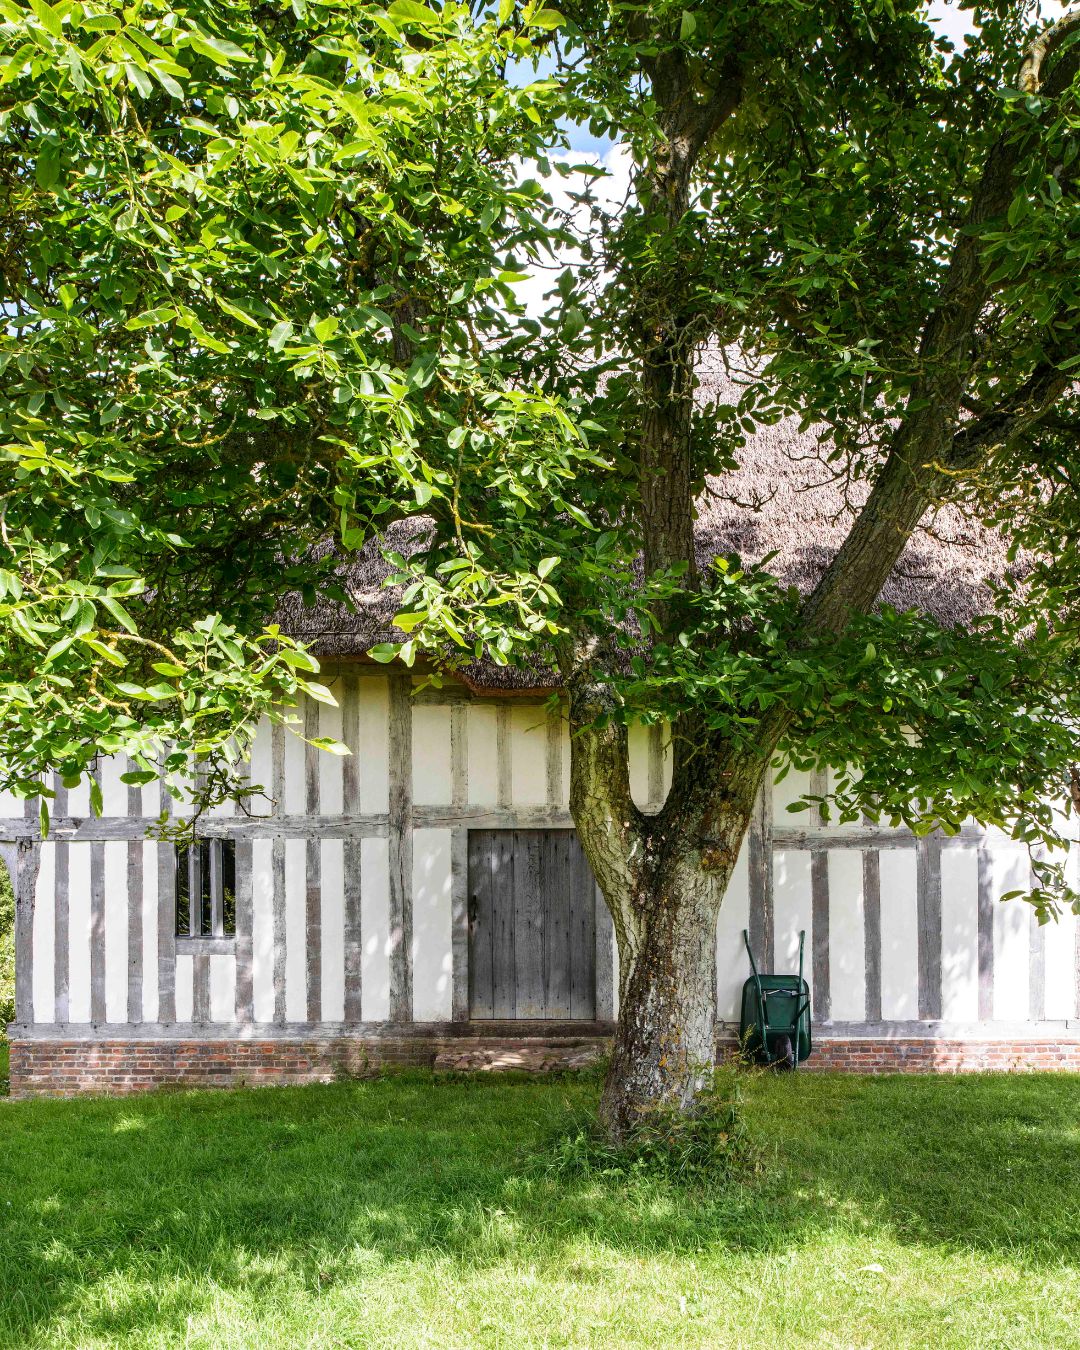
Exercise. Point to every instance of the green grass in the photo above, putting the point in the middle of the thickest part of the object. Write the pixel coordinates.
(410, 1212)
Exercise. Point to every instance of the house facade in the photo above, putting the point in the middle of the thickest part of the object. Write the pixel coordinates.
(427, 897)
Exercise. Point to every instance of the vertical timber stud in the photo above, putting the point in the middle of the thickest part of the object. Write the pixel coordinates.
(985, 936)
(1036, 962)
(459, 866)
(553, 758)
(313, 893)
(928, 907)
(400, 847)
(871, 871)
(504, 769)
(244, 901)
(819, 921)
(350, 733)
(760, 857)
(134, 907)
(166, 919)
(26, 870)
(61, 951)
(277, 866)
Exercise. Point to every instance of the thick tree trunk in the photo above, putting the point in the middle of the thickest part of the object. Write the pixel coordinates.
(664, 878)
(665, 1043)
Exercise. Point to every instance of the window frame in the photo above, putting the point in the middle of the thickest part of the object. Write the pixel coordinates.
(204, 851)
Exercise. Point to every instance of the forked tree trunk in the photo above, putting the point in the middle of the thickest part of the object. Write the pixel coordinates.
(664, 878)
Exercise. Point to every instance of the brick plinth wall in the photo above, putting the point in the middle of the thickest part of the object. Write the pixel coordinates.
(68, 1068)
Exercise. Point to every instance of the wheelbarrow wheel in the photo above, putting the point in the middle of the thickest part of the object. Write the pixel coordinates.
(783, 1054)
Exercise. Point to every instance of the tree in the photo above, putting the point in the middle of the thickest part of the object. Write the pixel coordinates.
(261, 277)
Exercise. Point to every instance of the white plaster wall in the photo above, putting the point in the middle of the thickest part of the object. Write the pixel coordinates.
(260, 770)
(375, 930)
(331, 767)
(790, 790)
(185, 988)
(79, 800)
(528, 754)
(1010, 870)
(793, 912)
(637, 737)
(11, 807)
(732, 966)
(222, 988)
(150, 932)
(295, 794)
(431, 767)
(483, 768)
(374, 747)
(295, 930)
(432, 920)
(262, 934)
(79, 932)
(960, 934)
(43, 988)
(847, 936)
(116, 932)
(113, 791)
(899, 936)
(1060, 941)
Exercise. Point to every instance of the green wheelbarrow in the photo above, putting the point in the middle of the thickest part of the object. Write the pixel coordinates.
(774, 1025)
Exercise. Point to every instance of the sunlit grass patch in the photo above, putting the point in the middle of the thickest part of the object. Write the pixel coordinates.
(416, 1212)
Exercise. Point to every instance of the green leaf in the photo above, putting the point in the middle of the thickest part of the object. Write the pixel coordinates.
(319, 692)
(547, 20)
(331, 747)
(219, 50)
(47, 169)
(235, 312)
(280, 334)
(408, 11)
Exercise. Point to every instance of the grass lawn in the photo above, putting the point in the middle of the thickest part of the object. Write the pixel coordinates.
(411, 1212)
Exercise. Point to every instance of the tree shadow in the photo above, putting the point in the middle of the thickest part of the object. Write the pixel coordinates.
(223, 1189)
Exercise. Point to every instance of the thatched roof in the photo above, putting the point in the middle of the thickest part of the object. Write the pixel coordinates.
(782, 499)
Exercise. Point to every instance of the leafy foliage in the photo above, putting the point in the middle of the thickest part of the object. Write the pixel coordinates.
(260, 292)
(252, 279)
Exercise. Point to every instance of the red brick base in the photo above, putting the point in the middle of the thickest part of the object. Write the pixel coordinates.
(55, 1068)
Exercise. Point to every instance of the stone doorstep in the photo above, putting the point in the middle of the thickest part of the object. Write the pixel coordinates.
(541, 1058)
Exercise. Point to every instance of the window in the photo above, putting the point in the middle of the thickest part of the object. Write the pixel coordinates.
(206, 889)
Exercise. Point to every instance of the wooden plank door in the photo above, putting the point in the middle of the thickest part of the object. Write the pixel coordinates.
(532, 926)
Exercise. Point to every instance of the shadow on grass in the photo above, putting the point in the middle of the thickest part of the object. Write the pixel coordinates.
(168, 1196)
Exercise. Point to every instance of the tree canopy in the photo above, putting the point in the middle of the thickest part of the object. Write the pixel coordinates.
(259, 285)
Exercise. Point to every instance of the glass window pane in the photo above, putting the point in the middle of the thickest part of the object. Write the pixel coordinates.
(183, 909)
